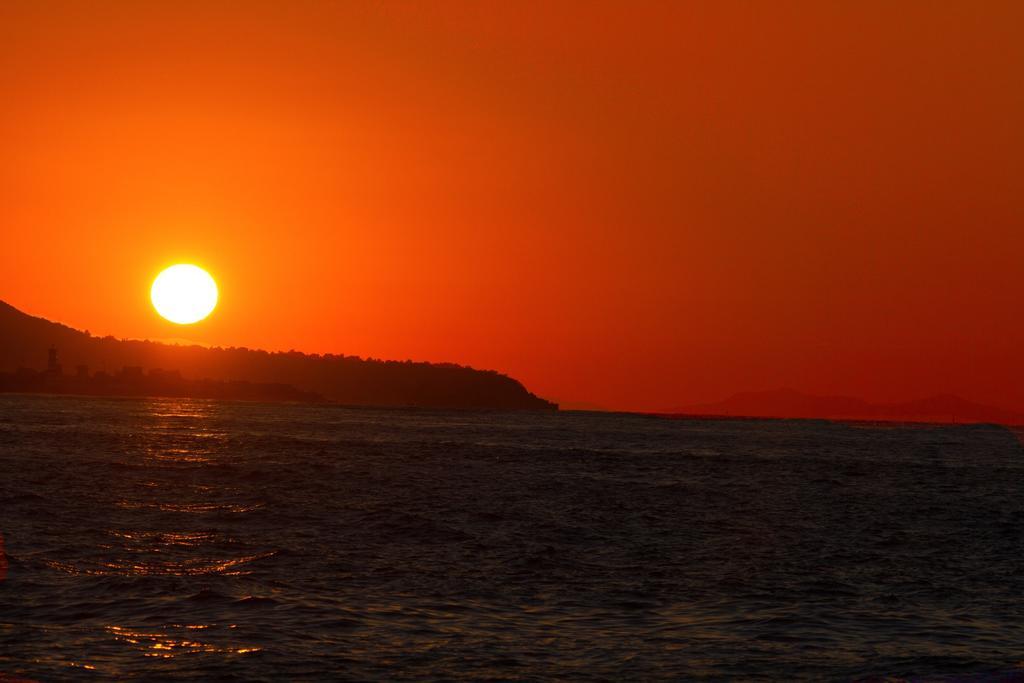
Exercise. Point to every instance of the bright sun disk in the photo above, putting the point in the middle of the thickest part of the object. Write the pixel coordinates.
(184, 294)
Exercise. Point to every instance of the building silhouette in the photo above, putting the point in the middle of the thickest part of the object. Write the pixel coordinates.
(133, 381)
(52, 366)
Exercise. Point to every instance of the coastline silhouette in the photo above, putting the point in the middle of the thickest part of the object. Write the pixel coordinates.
(109, 366)
(792, 404)
(136, 381)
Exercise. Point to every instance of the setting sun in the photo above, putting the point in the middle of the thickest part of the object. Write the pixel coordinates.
(184, 294)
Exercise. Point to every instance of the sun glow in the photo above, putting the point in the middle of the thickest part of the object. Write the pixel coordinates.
(184, 294)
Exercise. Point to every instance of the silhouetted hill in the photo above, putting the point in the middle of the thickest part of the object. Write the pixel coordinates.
(350, 380)
(788, 403)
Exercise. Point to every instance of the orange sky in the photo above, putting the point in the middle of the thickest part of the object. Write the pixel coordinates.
(638, 205)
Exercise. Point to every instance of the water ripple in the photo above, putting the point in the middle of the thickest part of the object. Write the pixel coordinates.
(176, 539)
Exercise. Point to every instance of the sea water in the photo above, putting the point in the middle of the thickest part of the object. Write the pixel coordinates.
(192, 539)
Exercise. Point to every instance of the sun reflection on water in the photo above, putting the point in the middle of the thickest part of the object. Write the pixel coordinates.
(173, 501)
(182, 431)
(235, 566)
(166, 645)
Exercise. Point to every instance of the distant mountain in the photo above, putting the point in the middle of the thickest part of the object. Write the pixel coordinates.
(350, 380)
(788, 403)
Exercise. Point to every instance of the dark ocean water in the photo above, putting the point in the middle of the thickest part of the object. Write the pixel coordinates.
(165, 538)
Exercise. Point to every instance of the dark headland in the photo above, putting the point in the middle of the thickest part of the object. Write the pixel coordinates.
(110, 366)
